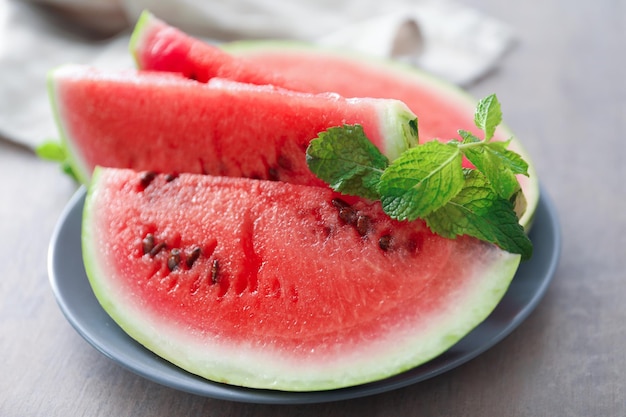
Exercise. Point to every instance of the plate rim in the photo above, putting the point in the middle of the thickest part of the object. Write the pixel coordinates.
(182, 380)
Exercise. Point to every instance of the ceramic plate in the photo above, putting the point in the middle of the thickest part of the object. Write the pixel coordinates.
(82, 310)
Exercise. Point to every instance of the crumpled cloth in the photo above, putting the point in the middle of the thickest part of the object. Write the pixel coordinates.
(445, 38)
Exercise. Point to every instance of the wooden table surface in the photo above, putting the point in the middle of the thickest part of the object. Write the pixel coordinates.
(563, 89)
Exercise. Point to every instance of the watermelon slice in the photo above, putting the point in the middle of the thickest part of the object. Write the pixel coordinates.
(280, 286)
(161, 47)
(164, 122)
(442, 108)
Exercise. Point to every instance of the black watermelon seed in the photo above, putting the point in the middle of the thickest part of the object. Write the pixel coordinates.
(384, 242)
(173, 260)
(215, 269)
(148, 243)
(146, 178)
(339, 203)
(272, 174)
(348, 215)
(363, 224)
(193, 257)
(170, 177)
(157, 248)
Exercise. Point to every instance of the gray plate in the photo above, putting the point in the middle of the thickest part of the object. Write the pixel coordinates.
(82, 310)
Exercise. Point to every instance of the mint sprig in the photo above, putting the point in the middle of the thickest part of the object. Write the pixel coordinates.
(52, 150)
(429, 182)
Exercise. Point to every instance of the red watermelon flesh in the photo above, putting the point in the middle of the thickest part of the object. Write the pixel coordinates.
(275, 285)
(161, 47)
(164, 122)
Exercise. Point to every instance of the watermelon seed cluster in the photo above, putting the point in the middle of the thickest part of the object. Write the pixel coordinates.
(177, 258)
(151, 248)
(361, 222)
(364, 226)
(149, 176)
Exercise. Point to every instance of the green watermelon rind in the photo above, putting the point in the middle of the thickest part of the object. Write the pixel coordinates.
(78, 168)
(143, 22)
(414, 74)
(250, 367)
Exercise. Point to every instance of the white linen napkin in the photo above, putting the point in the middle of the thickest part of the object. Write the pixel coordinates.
(443, 37)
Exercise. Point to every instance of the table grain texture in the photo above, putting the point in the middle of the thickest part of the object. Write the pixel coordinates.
(563, 89)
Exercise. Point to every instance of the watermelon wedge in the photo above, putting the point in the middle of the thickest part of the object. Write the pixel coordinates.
(279, 286)
(161, 47)
(442, 108)
(164, 122)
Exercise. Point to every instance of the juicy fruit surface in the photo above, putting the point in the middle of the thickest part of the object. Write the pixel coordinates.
(167, 123)
(274, 285)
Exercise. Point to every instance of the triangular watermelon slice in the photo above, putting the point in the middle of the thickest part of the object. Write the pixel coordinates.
(280, 286)
(164, 122)
(158, 46)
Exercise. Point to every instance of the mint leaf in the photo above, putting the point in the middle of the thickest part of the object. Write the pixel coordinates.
(421, 180)
(488, 115)
(469, 138)
(51, 150)
(344, 158)
(493, 159)
(511, 160)
(479, 212)
(67, 168)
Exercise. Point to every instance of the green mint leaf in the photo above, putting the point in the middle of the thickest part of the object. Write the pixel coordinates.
(421, 180)
(479, 212)
(51, 150)
(511, 160)
(66, 167)
(488, 115)
(344, 158)
(493, 159)
(468, 137)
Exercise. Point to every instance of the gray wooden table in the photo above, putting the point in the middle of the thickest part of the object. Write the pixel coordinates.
(564, 93)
